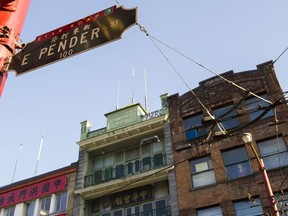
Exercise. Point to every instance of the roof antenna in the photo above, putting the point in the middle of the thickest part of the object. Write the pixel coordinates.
(133, 86)
(20, 149)
(39, 153)
(145, 89)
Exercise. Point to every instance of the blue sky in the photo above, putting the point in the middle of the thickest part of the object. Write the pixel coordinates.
(52, 101)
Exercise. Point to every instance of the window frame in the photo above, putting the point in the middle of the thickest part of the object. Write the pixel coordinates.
(194, 121)
(61, 196)
(228, 124)
(247, 206)
(249, 103)
(280, 152)
(204, 166)
(240, 164)
(9, 211)
(207, 211)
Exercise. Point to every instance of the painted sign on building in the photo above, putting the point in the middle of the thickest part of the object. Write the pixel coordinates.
(34, 191)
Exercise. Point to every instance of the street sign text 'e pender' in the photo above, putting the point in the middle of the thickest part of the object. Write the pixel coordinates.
(84, 34)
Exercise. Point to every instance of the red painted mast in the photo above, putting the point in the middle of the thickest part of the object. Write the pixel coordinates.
(12, 16)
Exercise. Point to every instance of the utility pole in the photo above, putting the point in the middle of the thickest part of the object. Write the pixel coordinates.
(12, 17)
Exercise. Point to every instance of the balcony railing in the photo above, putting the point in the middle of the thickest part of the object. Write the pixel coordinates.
(146, 117)
(134, 167)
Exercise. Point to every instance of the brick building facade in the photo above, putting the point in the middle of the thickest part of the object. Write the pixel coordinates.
(216, 173)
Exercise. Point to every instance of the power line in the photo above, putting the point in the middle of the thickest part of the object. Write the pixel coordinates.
(142, 28)
(280, 55)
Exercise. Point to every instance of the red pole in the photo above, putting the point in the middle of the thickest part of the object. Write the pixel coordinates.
(271, 197)
(12, 16)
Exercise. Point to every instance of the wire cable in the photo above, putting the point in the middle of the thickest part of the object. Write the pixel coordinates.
(142, 28)
(280, 55)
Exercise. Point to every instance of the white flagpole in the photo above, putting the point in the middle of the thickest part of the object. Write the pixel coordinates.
(118, 95)
(39, 154)
(145, 88)
(133, 87)
(16, 163)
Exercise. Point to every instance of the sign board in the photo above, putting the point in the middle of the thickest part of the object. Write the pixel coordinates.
(84, 34)
(33, 191)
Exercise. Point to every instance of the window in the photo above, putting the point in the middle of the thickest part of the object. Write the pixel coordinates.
(236, 163)
(190, 124)
(157, 147)
(95, 206)
(134, 210)
(45, 206)
(117, 213)
(9, 211)
(253, 104)
(147, 209)
(161, 208)
(274, 153)
(31, 208)
(248, 208)
(213, 211)
(228, 120)
(202, 172)
(119, 157)
(61, 202)
(132, 153)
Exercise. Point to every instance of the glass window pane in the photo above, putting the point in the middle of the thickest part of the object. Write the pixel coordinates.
(201, 164)
(31, 208)
(147, 209)
(204, 178)
(253, 104)
(213, 211)
(272, 146)
(95, 206)
(132, 153)
(9, 211)
(161, 208)
(157, 147)
(235, 156)
(275, 161)
(247, 208)
(61, 201)
(274, 153)
(202, 172)
(238, 170)
(228, 120)
(117, 213)
(119, 157)
(108, 160)
(45, 205)
(145, 149)
(98, 163)
(190, 123)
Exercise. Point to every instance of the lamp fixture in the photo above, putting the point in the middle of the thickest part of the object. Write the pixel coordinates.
(149, 140)
(247, 138)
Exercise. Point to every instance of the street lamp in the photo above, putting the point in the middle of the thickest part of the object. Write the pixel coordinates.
(248, 139)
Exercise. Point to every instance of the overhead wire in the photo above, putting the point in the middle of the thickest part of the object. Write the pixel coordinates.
(220, 126)
(142, 28)
(280, 55)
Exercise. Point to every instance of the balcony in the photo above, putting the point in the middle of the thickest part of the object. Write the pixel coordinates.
(131, 168)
